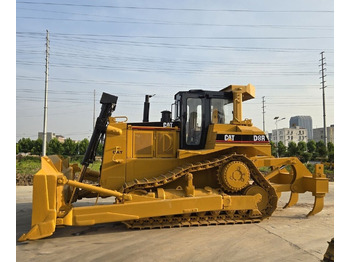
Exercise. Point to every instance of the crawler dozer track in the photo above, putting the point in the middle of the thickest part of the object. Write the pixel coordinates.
(215, 217)
(195, 219)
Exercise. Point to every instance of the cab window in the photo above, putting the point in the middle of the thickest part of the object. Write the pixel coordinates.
(221, 111)
(194, 121)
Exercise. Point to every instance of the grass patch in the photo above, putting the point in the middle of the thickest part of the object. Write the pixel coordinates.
(94, 166)
(28, 165)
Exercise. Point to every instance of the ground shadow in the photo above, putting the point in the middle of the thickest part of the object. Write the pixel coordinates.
(23, 225)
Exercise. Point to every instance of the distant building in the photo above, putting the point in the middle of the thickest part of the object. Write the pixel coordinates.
(50, 136)
(318, 134)
(60, 138)
(303, 122)
(286, 135)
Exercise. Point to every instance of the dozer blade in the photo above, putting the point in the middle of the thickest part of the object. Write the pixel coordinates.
(44, 207)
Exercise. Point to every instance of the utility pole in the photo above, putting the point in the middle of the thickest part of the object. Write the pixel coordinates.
(263, 108)
(46, 93)
(277, 120)
(323, 82)
(93, 115)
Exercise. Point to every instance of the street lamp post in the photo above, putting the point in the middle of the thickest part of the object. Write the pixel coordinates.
(277, 120)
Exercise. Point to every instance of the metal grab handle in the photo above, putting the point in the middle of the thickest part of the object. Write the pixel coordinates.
(126, 119)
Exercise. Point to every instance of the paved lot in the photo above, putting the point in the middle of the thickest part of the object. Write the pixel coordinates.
(287, 236)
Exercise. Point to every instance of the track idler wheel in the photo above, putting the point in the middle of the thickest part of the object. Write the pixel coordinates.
(234, 176)
(253, 190)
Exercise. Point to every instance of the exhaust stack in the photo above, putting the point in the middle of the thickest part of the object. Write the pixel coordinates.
(146, 108)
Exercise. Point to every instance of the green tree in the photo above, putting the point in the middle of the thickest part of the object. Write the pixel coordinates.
(292, 149)
(311, 148)
(321, 150)
(302, 147)
(54, 147)
(305, 157)
(273, 149)
(99, 150)
(37, 147)
(330, 149)
(281, 149)
(302, 153)
(25, 145)
(69, 147)
(82, 146)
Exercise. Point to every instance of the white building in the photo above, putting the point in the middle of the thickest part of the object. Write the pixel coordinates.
(318, 134)
(303, 122)
(286, 135)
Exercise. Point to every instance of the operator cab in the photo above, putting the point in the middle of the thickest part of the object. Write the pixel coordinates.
(196, 110)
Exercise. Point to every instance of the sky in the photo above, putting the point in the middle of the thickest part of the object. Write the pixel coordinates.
(135, 48)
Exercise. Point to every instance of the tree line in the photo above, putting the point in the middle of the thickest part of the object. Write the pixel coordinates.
(310, 151)
(54, 147)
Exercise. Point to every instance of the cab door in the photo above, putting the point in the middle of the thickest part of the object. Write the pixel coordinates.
(193, 120)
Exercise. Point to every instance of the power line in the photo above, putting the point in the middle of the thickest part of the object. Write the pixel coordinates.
(139, 102)
(151, 84)
(174, 9)
(183, 70)
(86, 36)
(286, 27)
(83, 55)
(170, 23)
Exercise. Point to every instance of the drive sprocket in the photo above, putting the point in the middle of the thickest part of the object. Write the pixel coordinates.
(234, 176)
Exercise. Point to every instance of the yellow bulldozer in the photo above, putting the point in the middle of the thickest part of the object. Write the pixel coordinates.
(201, 164)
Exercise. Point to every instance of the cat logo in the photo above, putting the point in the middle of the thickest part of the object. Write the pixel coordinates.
(167, 124)
(117, 150)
